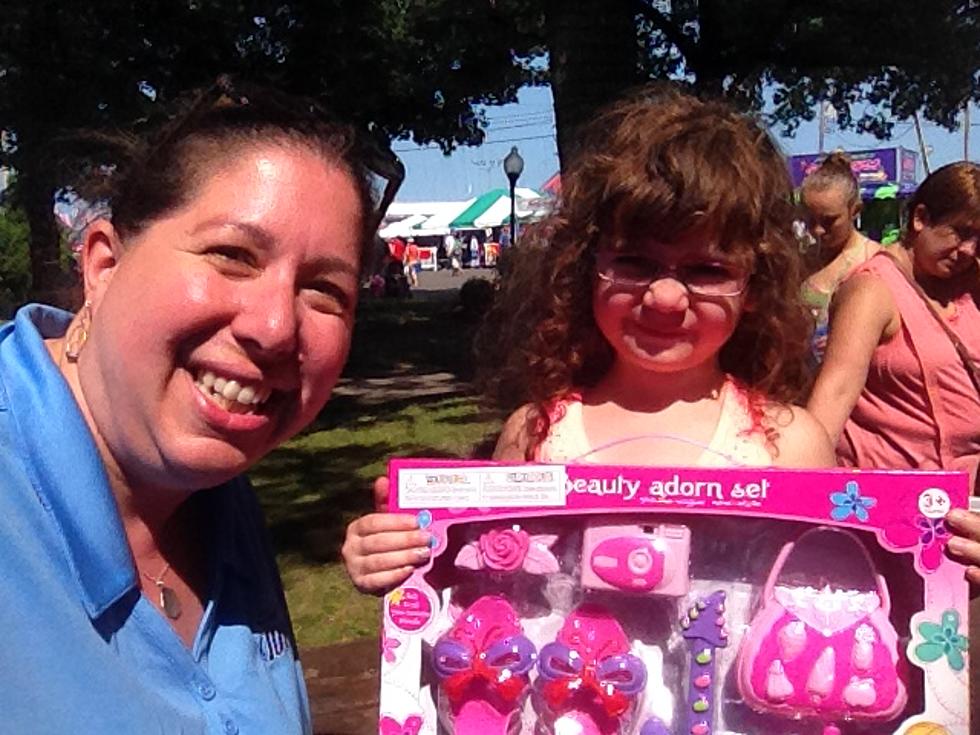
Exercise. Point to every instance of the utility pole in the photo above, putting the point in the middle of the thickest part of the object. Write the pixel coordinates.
(820, 119)
(966, 131)
(922, 143)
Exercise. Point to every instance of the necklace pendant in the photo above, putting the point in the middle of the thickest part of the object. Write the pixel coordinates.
(170, 603)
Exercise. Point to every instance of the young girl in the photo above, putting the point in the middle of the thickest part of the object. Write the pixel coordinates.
(656, 319)
(661, 321)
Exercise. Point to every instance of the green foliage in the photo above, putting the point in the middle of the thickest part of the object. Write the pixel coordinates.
(874, 61)
(421, 69)
(15, 266)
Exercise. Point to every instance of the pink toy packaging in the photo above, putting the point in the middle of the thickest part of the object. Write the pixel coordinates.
(602, 600)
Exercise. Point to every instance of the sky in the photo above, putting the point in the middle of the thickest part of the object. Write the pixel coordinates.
(529, 124)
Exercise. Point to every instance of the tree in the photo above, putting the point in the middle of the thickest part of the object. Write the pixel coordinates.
(400, 68)
(874, 61)
(423, 68)
(406, 68)
(15, 274)
(65, 67)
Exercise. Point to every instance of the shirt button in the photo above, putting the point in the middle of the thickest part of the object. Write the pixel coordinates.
(206, 691)
(231, 728)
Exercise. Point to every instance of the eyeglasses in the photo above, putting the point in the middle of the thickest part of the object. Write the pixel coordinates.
(384, 168)
(964, 234)
(638, 273)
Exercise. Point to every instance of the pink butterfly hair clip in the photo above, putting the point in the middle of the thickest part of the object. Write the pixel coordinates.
(510, 549)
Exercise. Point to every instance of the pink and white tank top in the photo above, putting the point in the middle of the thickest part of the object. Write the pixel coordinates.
(738, 440)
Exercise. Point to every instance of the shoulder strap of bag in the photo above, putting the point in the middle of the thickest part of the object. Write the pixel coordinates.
(971, 366)
(780, 562)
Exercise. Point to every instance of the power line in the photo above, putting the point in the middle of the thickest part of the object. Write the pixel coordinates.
(433, 146)
(519, 125)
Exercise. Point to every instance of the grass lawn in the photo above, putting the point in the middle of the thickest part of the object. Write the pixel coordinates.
(313, 486)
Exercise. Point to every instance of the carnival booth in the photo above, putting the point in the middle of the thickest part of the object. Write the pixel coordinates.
(886, 176)
(483, 220)
(427, 223)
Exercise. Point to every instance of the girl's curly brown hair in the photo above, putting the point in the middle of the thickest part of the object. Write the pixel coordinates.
(662, 162)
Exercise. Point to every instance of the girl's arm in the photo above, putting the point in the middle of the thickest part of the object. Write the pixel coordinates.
(515, 439)
(863, 315)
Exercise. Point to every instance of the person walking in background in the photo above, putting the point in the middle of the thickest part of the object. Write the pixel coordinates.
(413, 262)
(831, 201)
(455, 261)
(475, 256)
(450, 245)
(504, 237)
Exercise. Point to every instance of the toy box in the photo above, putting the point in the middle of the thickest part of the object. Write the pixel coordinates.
(602, 600)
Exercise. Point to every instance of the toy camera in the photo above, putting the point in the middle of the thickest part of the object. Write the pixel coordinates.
(643, 559)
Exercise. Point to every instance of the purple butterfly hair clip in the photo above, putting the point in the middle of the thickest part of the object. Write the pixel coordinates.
(510, 549)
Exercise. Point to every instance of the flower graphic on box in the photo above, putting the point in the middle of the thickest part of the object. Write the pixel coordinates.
(943, 639)
(509, 549)
(388, 646)
(851, 502)
(929, 534)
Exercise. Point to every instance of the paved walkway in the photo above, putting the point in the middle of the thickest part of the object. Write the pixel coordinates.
(443, 284)
(373, 391)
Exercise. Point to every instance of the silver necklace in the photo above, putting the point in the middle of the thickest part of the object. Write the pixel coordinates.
(169, 602)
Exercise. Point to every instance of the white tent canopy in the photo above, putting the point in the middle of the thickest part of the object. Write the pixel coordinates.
(418, 219)
(438, 223)
(402, 227)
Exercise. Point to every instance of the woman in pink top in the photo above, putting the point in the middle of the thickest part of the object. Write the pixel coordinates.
(893, 391)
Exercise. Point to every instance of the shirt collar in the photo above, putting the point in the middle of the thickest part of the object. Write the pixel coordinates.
(62, 460)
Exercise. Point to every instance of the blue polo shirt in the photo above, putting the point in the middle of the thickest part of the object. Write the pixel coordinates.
(83, 651)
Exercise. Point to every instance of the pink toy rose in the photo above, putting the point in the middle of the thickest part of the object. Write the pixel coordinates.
(504, 549)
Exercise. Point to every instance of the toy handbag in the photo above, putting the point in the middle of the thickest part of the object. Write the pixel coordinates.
(827, 651)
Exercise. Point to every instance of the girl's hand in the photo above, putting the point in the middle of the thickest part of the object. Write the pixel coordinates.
(965, 543)
(382, 549)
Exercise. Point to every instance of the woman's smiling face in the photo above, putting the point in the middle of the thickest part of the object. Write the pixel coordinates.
(219, 331)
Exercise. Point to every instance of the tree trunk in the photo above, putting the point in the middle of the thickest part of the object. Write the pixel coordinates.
(593, 60)
(708, 67)
(35, 191)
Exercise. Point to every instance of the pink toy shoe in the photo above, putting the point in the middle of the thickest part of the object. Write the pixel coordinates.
(483, 663)
(823, 651)
(650, 560)
(589, 681)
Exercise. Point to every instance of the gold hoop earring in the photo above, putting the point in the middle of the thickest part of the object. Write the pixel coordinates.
(78, 334)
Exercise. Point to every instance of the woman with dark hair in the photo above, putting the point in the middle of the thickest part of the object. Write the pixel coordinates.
(831, 200)
(899, 385)
(140, 594)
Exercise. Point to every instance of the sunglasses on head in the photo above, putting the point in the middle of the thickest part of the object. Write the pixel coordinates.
(384, 168)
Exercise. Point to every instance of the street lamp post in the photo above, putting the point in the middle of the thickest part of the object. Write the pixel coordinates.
(513, 167)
